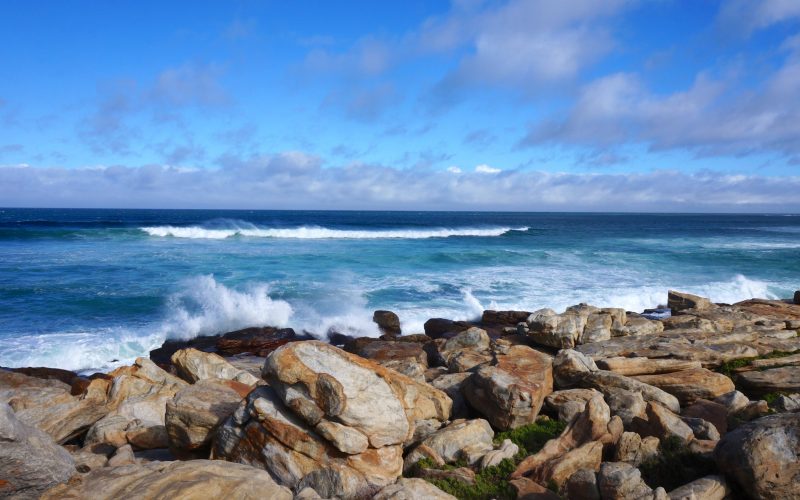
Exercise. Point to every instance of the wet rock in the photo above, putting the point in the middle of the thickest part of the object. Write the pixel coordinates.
(679, 301)
(511, 392)
(705, 488)
(194, 365)
(191, 480)
(387, 321)
(412, 489)
(689, 385)
(763, 457)
(30, 461)
(193, 415)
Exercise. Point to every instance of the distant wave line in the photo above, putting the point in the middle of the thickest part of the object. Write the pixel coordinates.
(315, 233)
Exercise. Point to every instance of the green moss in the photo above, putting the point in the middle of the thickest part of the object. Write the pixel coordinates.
(675, 465)
(729, 368)
(492, 482)
(532, 437)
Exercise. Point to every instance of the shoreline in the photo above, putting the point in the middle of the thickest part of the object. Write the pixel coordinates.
(611, 394)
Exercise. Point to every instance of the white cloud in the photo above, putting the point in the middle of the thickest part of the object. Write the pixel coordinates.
(747, 16)
(454, 169)
(296, 180)
(486, 169)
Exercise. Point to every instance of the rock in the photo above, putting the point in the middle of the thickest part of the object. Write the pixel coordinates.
(645, 366)
(627, 405)
(557, 471)
(307, 494)
(509, 318)
(194, 365)
(662, 424)
(775, 309)
(506, 450)
(597, 328)
(637, 326)
(387, 321)
(763, 457)
(191, 480)
(702, 429)
(30, 462)
(583, 486)
(123, 456)
(300, 373)
(760, 364)
(733, 401)
(466, 350)
(194, 413)
(705, 488)
(679, 301)
(451, 384)
(92, 457)
(787, 403)
(689, 385)
(631, 448)
(569, 402)
(264, 432)
(752, 411)
(561, 331)
(526, 489)
(344, 438)
(48, 405)
(589, 426)
(715, 413)
(569, 368)
(462, 474)
(758, 383)
(511, 393)
(797, 297)
(622, 481)
(408, 358)
(439, 327)
(65, 376)
(607, 382)
(467, 440)
(412, 489)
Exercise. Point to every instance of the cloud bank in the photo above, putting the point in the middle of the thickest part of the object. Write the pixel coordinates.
(295, 180)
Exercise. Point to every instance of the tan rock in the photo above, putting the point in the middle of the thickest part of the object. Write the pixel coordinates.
(318, 380)
(30, 461)
(662, 424)
(511, 393)
(645, 366)
(194, 365)
(193, 415)
(529, 490)
(569, 368)
(450, 384)
(123, 456)
(631, 448)
(462, 440)
(569, 402)
(763, 457)
(705, 488)
(758, 383)
(622, 481)
(412, 489)
(191, 480)
(345, 439)
(606, 382)
(627, 405)
(679, 301)
(690, 385)
(715, 413)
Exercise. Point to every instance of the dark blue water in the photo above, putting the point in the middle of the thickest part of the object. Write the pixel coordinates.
(80, 288)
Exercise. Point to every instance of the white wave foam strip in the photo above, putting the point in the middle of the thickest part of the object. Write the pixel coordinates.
(318, 233)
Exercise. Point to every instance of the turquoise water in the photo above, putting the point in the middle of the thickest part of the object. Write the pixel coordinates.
(83, 289)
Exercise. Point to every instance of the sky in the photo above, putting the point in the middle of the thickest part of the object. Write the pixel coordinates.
(524, 105)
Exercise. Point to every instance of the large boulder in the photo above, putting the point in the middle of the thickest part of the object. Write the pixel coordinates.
(317, 380)
(763, 457)
(680, 301)
(30, 462)
(466, 350)
(194, 365)
(191, 480)
(510, 393)
(193, 415)
(690, 385)
(49, 405)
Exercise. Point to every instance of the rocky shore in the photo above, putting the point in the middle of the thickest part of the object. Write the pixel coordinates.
(695, 400)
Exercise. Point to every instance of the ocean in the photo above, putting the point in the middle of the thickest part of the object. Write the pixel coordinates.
(92, 289)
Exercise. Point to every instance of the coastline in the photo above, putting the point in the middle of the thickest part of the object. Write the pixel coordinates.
(615, 398)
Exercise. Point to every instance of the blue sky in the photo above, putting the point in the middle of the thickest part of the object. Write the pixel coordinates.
(519, 105)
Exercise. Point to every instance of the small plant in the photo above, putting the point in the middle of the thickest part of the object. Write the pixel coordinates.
(532, 437)
(729, 368)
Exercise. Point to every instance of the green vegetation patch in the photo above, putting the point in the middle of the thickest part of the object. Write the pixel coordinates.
(675, 465)
(492, 482)
(729, 368)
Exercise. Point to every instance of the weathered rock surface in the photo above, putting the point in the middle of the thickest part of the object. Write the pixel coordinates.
(607, 382)
(631, 448)
(570, 367)
(622, 481)
(757, 383)
(645, 366)
(467, 440)
(412, 489)
(690, 385)
(583, 486)
(663, 424)
(194, 413)
(679, 301)
(507, 449)
(710, 411)
(49, 405)
(627, 405)
(705, 488)
(194, 365)
(408, 358)
(569, 402)
(30, 462)
(191, 480)
(763, 457)
(511, 392)
(451, 384)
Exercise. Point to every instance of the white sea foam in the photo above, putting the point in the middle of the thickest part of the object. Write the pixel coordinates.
(317, 233)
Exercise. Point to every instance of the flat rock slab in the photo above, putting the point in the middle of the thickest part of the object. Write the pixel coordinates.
(645, 366)
(757, 383)
(690, 385)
